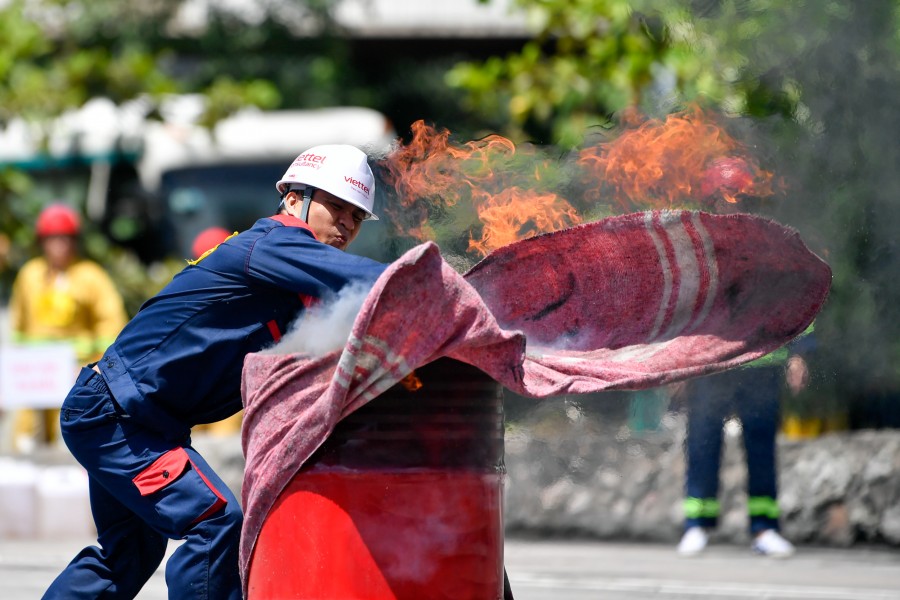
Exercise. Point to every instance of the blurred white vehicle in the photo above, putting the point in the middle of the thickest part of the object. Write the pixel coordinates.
(154, 183)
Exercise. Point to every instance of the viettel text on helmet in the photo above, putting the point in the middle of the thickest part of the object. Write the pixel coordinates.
(309, 159)
(357, 183)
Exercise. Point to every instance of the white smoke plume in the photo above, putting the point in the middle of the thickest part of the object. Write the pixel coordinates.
(325, 327)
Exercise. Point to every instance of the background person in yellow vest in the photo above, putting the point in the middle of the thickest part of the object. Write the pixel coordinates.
(60, 296)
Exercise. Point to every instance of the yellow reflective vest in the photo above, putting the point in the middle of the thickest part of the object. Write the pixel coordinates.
(80, 305)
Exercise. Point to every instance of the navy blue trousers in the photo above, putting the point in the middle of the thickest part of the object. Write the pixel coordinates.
(145, 490)
(753, 395)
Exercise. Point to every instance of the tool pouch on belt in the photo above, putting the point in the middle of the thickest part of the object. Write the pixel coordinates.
(182, 494)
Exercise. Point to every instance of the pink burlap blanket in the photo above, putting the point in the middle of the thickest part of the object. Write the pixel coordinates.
(628, 302)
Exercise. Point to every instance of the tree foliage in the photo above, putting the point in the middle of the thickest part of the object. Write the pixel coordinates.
(588, 59)
(59, 53)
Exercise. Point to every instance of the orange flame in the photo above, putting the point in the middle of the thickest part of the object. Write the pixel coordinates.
(431, 167)
(412, 382)
(516, 214)
(496, 193)
(431, 174)
(684, 160)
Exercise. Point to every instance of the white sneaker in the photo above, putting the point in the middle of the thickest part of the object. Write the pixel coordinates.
(770, 543)
(693, 542)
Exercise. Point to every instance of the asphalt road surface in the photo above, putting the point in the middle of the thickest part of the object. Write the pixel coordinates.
(576, 570)
(583, 570)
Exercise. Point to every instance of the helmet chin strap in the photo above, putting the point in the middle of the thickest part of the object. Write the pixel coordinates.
(307, 194)
(307, 200)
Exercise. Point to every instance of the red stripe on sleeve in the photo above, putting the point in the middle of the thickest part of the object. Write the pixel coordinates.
(273, 329)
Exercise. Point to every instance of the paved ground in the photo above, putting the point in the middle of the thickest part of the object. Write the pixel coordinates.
(583, 570)
(572, 570)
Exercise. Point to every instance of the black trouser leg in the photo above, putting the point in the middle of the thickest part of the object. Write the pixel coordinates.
(507, 591)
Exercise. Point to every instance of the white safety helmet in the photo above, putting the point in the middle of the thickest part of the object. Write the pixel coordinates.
(339, 169)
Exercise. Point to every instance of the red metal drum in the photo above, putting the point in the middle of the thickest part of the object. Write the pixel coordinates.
(402, 502)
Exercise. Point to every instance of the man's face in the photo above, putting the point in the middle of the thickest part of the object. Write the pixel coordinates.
(333, 221)
(59, 250)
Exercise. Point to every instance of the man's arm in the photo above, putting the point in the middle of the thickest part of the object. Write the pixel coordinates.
(290, 258)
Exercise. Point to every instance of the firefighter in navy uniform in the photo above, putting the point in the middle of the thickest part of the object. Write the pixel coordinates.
(178, 363)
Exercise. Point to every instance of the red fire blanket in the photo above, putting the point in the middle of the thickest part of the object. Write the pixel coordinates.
(628, 302)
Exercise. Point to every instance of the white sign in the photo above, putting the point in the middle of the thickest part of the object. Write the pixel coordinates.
(36, 376)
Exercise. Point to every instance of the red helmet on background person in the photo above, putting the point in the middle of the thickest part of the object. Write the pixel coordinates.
(208, 239)
(58, 219)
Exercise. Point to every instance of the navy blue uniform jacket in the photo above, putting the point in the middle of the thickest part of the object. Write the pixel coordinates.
(178, 362)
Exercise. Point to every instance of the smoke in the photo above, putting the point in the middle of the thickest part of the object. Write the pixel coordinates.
(325, 327)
